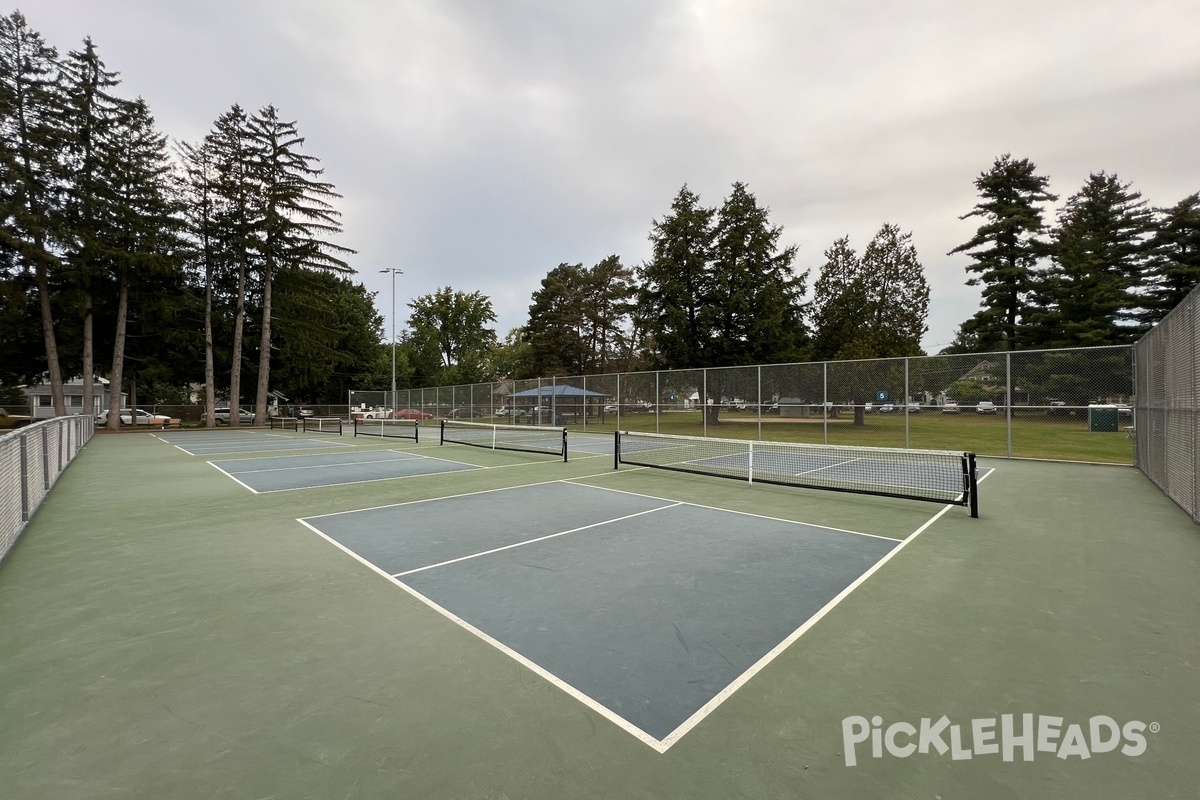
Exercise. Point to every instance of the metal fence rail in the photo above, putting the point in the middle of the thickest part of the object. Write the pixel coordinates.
(1068, 404)
(1168, 388)
(31, 459)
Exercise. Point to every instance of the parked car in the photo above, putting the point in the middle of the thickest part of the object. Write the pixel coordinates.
(913, 408)
(985, 407)
(410, 413)
(949, 407)
(245, 416)
(1058, 408)
(300, 413)
(887, 408)
(135, 416)
(11, 421)
(464, 411)
(611, 408)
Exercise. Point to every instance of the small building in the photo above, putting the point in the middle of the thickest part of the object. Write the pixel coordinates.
(41, 402)
(793, 407)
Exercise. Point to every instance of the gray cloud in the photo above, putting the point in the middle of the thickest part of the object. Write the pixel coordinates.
(478, 144)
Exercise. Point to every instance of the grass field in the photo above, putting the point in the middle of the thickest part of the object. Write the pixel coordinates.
(1033, 436)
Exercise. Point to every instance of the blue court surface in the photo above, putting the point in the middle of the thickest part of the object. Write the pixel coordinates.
(252, 443)
(282, 473)
(649, 611)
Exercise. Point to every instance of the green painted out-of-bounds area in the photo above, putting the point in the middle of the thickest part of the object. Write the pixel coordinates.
(166, 633)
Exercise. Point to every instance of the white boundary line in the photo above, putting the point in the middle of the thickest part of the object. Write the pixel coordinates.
(658, 745)
(711, 706)
(463, 468)
(533, 541)
(732, 511)
(462, 494)
(300, 445)
(533, 667)
(741, 680)
(827, 466)
(232, 478)
(327, 466)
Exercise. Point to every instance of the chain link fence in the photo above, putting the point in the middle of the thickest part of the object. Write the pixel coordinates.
(1168, 386)
(1069, 404)
(31, 459)
(1072, 404)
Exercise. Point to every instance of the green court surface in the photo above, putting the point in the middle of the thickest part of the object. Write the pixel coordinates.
(165, 633)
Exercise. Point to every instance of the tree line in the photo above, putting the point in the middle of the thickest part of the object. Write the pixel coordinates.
(192, 263)
(1109, 268)
(719, 289)
(213, 263)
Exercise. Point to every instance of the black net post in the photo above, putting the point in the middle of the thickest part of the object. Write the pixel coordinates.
(971, 484)
(616, 449)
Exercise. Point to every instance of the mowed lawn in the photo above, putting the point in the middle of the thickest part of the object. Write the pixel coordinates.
(1034, 434)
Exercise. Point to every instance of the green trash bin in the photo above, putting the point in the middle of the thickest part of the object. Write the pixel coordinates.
(1102, 418)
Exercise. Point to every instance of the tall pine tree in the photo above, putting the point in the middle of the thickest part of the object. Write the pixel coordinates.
(296, 214)
(676, 284)
(1174, 250)
(145, 230)
(754, 297)
(1092, 292)
(1005, 249)
(32, 171)
(93, 114)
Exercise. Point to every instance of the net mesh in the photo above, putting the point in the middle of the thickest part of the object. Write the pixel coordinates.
(323, 425)
(388, 428)
(931, 475)
(520, 438)
(284, 423)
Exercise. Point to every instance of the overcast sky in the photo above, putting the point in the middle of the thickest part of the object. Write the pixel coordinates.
(480, 143)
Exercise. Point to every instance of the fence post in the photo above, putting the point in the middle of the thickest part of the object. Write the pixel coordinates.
(906, 396)
(824, 400)
(657, 400)
(758, 402)
(46, 456)
(1008, 403)
(704, 400)
(24, 480)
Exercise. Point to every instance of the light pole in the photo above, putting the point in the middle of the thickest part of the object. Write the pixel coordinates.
(394, 272)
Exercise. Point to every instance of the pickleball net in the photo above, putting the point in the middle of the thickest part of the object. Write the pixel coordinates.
(937, 476)
(521, 438)
(322, 425)
(388, 428)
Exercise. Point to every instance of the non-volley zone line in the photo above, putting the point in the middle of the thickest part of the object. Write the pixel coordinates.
(587, 611)
(263, 445)
(312, 471)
